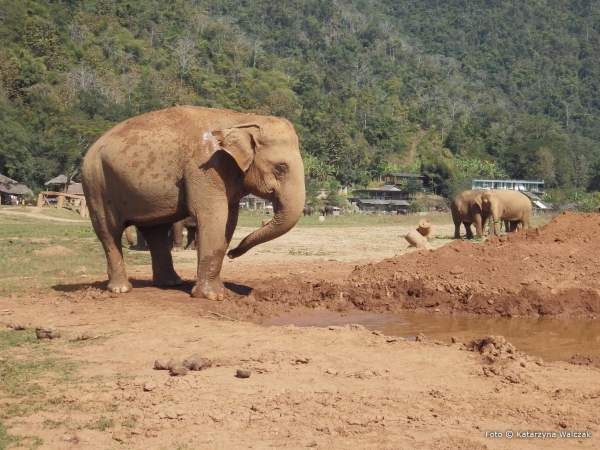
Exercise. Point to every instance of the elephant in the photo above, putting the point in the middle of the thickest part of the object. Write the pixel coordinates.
(140, 242)
(326, 210)
(191, 226)
(308, 210)
(158, 168)
(466, 210)
(508, 205)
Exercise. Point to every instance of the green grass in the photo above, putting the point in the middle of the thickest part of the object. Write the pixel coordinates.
(102, 424)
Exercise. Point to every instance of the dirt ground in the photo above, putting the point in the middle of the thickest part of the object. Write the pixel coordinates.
(332, 387)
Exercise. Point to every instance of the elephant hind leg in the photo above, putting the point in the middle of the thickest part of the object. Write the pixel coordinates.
(191, 239)
(110, 232)
(163, 272)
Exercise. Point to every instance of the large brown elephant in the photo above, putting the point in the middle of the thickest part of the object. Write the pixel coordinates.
(466, 209)
(158, 168)
(505, 204)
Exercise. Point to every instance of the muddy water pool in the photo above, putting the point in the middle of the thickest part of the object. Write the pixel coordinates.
(549, 338)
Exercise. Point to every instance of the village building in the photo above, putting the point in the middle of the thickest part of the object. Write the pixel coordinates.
(59, 183)
(11, 191)
(399, 179)
(386, 198)
(534, 186)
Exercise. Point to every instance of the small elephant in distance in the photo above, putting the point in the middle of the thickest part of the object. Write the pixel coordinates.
(326, 210)
(192, 227)
(308, 210)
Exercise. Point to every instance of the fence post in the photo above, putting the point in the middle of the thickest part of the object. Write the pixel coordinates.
(61, 201)
(40, 200)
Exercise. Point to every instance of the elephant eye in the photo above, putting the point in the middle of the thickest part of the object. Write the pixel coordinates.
(281, 169)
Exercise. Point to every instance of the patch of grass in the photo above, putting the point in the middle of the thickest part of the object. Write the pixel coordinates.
(17, 338)
(31, 259)
(5, 438)
(48, 423)
(102, 424)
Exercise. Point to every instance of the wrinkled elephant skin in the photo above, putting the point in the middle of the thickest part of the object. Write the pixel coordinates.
(508, 205)
(158, 168)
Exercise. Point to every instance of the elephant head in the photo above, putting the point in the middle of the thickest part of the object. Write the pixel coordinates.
(489, 203)
(267, 152)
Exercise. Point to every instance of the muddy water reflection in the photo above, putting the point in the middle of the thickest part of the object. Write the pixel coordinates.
(549, 338)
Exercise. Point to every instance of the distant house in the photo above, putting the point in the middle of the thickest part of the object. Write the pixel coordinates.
(401, 178)
(59, 182)
(388, 197)
(11, 191)
(534, 186)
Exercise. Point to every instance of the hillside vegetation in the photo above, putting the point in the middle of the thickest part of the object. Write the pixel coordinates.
(450, 89)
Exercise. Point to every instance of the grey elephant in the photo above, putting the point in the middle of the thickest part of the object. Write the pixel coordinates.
(308, 210)
(466, 209)
(158, 168)
(326, 210)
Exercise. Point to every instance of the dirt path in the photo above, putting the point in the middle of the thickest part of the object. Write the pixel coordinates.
(37, 215)
(336, 387)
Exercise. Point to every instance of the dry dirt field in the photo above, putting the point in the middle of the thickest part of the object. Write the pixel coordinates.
(333, 387)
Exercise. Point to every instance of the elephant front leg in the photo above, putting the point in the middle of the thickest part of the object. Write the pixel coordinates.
(211, 246)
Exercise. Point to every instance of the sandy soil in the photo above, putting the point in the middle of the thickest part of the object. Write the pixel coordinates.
(335, 387)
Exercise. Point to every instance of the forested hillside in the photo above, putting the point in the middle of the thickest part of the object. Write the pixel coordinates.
(450, 89)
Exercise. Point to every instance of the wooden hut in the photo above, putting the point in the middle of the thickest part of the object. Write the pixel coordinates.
(59, 183)
(11, 191)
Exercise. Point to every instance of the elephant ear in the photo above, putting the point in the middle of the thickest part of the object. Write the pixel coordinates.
(478, 202)
(239, 142)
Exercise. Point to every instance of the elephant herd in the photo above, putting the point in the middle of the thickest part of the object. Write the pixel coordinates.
(326, 210)
(495, 205)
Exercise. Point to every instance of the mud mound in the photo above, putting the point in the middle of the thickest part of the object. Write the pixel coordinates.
(552, 270)
(580, 360)
(53, 251)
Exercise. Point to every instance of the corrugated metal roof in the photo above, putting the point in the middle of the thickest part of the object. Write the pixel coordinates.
(368, 201)
(386, 188)
(405, 175)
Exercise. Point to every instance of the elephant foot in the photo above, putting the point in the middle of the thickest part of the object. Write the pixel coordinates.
(170, 279)
(119, 286)
(210, 290)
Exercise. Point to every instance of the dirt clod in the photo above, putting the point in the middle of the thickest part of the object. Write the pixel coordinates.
(160, 364)
(47, 333)
(83, 336)
(15, 326)
(243, 373)
(197, 362)
(178, 371)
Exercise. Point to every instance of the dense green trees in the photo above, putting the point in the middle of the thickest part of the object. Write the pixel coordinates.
(438, 87)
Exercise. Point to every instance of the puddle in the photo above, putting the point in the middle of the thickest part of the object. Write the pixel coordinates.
(549, 338)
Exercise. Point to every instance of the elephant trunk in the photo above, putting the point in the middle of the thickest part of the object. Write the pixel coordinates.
(287, 209)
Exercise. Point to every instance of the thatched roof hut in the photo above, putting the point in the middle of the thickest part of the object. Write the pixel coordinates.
(75, 189)
(9, 188)
(60, 181)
